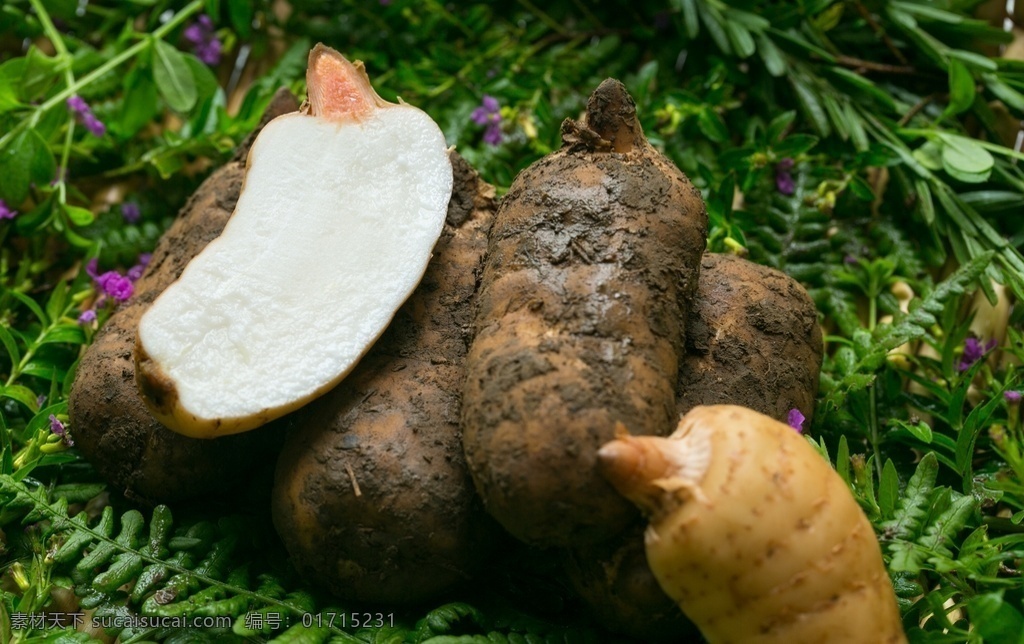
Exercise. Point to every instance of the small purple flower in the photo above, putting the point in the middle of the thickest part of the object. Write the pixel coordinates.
(1012, 397)
(5, 212)
(974, 351)
(83, 113)
(130, 211)
(135, 272)
(56, 426)
(91, 268)
(204, 41)
(783, 177)
(850, 259)
(796, 420)
(87, 316)
(385, 3)
(489, 115)
(115, 285)
(41, 400)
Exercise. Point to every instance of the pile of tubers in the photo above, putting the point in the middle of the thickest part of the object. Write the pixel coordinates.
(527, 386)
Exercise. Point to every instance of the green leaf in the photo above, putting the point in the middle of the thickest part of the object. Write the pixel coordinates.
(79, 216)
(10, 345)
(961, 88)
(31, 305)
(742, 41)
(964, 159)
(888, 489)
(40, 73)
(206, 82)
(864, 85)
(774, 60)
(712, 125)
(995, 619)
(140, 104)
(843, 459)
(812, 106)
(8, 91)
(1013, 99)
(240, 12)
(914, 501)
(24, 161)
(795, 145)
(929, 155)
(974, 60)
(173, 77)
(22, 394)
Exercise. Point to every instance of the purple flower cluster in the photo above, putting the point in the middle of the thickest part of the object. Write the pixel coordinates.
(59, 429)
(83, 113)
(974, 351)
(130, 211)
(489, 114)
(113, 284)
(1012, 397)
(796, 420)
(56, 426)
(783, 176)
(5, 212)
(204, 41)
(135, 272)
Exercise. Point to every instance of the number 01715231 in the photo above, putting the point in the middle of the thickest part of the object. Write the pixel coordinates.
(329, 619)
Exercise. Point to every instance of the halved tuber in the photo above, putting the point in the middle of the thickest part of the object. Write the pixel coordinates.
(341, 207)
(753, 533)
(112, 426)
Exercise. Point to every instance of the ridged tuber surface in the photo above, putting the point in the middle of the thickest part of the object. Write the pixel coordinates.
(372, 496)
(752, 339)
(753, 533)
(111, 424)
(593, 257)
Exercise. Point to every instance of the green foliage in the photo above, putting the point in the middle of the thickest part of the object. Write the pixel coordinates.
(860, 147)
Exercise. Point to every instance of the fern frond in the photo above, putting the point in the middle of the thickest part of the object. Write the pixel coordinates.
(913, 503)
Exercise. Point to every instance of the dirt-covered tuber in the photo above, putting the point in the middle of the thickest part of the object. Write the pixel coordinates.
(593, 257)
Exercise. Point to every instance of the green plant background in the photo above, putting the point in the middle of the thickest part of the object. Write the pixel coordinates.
(900, 117)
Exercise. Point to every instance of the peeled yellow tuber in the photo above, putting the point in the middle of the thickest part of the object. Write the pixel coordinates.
(753, 534)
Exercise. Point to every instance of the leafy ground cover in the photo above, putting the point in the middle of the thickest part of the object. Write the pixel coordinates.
(870, 149)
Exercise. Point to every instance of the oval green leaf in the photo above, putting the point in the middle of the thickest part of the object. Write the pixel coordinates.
(961, 87)
(173, 77)
(964, 159)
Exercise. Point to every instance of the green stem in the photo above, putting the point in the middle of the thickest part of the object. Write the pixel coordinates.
(69, 79)
(106, 67)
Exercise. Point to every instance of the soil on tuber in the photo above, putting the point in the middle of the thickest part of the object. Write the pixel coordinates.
(112, 426)
(752, 339)
(593, 257)
(753, 533)
(372, 495)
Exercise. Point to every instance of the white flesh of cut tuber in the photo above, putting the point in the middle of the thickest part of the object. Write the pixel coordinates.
(342, 204)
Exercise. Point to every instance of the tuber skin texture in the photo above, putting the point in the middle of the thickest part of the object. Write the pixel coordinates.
(752, 339)
(617, 586)
(372, 495)
(753, 533)
(111, 424)
(593, 257)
